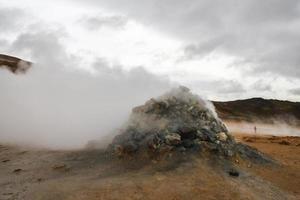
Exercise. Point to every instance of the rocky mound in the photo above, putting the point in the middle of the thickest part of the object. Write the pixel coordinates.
(178, 121)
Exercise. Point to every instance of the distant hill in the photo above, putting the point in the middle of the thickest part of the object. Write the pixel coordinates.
(259, 110)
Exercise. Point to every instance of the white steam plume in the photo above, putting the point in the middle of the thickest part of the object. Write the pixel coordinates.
(53, 107)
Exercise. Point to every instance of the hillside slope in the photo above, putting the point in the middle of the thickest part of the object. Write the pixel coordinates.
(260, 110)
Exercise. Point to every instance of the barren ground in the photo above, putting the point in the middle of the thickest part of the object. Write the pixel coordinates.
(89, 174)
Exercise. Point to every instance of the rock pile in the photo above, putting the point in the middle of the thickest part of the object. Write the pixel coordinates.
(177, 121)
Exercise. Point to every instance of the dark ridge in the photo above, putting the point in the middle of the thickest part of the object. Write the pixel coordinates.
(14, 64)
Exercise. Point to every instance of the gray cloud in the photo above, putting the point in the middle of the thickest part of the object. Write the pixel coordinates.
(44, 46)
(10, 19)
(192, 51)
(295, 91)
(98, 22)
(228, 87)
(3, 43)
(265, 34)
(223, 87)
(260, 85)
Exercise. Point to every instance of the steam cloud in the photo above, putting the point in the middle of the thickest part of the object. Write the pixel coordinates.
(58, 108)
(278, 129)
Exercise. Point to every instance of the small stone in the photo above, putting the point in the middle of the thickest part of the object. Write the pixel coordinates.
(39, 179)
(17, 170)
(208, 135)
(173, 139)
(222, 136)
(233, 172)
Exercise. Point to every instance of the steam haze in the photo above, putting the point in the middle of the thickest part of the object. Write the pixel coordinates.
(63, 109)
(60, 107)
(277, 129)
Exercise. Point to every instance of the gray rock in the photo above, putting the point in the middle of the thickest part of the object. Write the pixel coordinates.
(173, 139)
(222, 136)
(233, 172)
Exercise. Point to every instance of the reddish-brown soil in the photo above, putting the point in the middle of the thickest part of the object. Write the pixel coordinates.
(284, 149)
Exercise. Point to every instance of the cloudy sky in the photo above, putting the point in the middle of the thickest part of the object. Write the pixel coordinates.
(222, 50)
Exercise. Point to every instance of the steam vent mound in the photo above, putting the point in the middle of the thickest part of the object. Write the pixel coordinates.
(178, 121)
